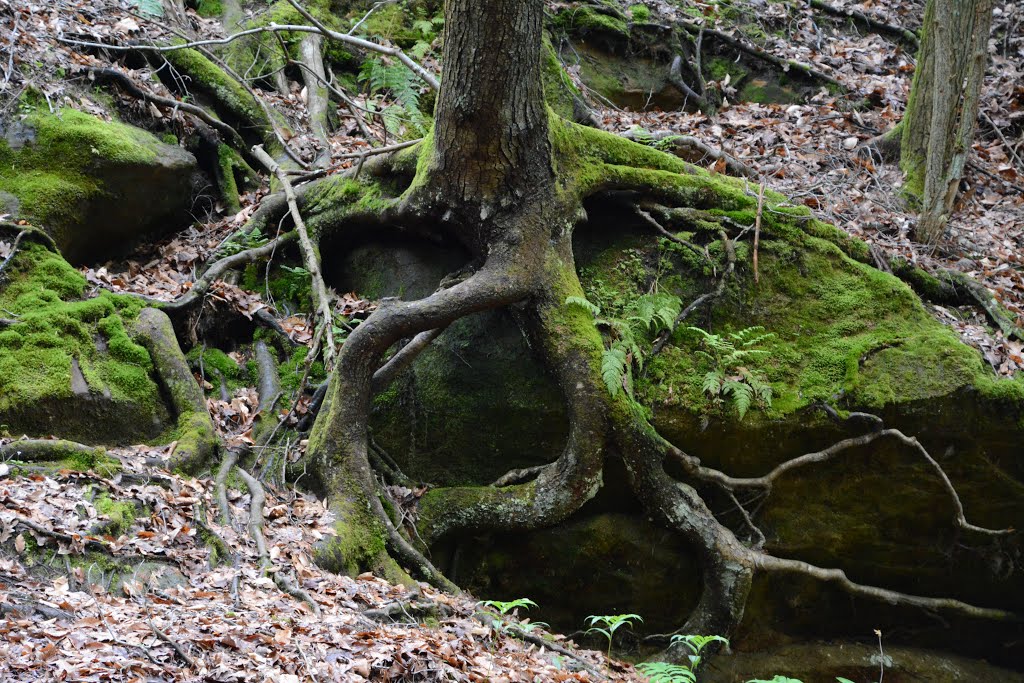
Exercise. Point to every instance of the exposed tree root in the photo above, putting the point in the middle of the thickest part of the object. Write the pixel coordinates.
(49, 450)
(197, 440)
(194, 296)
(284, 582)
(754, 51)
(694, 150)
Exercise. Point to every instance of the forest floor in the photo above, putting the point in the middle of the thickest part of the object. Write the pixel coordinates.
(230, 622)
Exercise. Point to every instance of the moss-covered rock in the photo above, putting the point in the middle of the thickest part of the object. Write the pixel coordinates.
(844, 333)
(96, 186)
(68, 365)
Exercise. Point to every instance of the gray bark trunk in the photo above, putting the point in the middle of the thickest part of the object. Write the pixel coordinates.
(939, 124)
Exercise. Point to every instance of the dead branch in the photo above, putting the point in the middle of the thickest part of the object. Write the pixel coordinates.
(413, 66)
(872, 23)
(201, 286)
(321, 300)
(317, 27)
(769, 563)
(181, 652)
(754, 51)
(487, 619)
(86, 544)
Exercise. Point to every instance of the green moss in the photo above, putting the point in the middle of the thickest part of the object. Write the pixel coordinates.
(639, 12)
(232, 100)
(585, 19)
(55, 330)
(50, 172)
(559, 91)
(210, 8)
(121, 514)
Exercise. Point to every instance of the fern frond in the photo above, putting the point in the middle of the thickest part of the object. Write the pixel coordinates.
(712, 383)
(742, 395)
(583, 303)
(613, 368)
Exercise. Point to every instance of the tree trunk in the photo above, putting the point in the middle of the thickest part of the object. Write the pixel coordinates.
(938, 127)
(491, 145)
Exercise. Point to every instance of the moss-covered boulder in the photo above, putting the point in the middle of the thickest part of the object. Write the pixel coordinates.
(69, 365)
(842, 332)
(96, 186)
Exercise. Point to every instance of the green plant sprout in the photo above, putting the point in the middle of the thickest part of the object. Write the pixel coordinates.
(505, 608)
(610, 623)
(663, 672)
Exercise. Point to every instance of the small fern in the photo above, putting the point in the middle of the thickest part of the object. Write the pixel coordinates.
(729, 377)
(629, 334)
(383, 76)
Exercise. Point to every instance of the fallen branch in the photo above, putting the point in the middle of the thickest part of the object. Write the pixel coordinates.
(181, 652)
(869, 21)
(785, 64)
(317, 27)
(201, 286)
(321, 300)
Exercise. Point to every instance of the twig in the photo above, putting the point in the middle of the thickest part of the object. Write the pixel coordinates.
(185, 656)
(730, 254)
(321, 300)
(134, 89)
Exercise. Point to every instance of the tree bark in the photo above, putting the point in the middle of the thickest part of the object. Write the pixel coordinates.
(491, 147)
(940, 120)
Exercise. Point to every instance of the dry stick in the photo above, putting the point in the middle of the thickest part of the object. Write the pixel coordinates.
(135, 89)
(320, 298)
(343, 96)
(427, 77)
(757, 229)
(257, 498)
(202, 285)
(185, 656)
(753, 50)
(14, 250)
(1006, 143)
(89, 543)
(868, 20)
(306, 176)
